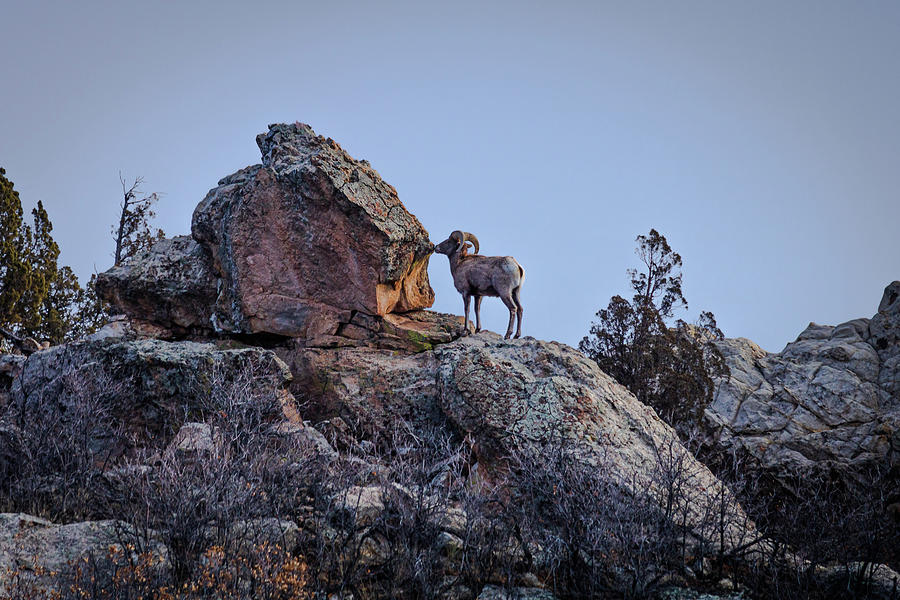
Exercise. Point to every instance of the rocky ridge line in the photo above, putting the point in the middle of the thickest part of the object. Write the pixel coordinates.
(830, 399)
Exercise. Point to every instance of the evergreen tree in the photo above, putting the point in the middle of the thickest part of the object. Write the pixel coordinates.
(92, 313)
(670, 368)
(42, 253)
(60, 310)
(15, 273)
(38, 299)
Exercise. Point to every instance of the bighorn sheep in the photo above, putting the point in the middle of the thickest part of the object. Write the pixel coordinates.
(478, 276)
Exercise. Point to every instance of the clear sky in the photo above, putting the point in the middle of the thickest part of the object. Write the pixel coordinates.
(761, 138)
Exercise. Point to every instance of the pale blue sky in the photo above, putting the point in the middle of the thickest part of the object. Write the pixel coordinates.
(762, 138)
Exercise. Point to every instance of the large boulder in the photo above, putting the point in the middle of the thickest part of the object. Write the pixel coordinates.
(503, 396)
(38, 554)
(170, 287)
(148, 388)
(302, 241)
(830, 399)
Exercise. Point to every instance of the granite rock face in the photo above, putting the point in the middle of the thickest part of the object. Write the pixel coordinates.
(171, 287)
(307, 238)
(831, 398)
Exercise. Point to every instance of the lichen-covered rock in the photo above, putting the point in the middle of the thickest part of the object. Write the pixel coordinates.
(46, 553)
(884, 336)
(367, 388)
(522, 393)
(146, 387)
(301, 241)
(170, 286)
(829, 399)
(414, 331)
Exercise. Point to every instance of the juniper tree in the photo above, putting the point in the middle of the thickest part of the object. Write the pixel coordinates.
(669, 366)
(41, 253)
(14, 268)
(37, 297)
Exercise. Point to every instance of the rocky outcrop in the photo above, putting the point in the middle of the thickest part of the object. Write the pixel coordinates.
(311, 244)
(311, 235)
(831, 398)
(504, 396)
(169, 290)
(148, 388)
(313, 256)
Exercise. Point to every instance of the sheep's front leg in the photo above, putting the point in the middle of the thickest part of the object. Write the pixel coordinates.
(478, 313)
(466, 298)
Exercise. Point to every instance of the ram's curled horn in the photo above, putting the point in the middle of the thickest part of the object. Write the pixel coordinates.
(471, 238)
(459, 236)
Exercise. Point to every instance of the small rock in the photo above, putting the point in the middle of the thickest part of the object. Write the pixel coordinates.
(493, 592)
(365, 503)
(305, 436)
(192, 441)
(247, 538)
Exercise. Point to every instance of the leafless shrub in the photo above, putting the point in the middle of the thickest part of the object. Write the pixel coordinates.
(595, 537)
(602, 532)
(191, 502)
(63, 446)
(816, 524)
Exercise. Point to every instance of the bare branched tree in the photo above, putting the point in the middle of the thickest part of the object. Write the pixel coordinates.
(134, 233)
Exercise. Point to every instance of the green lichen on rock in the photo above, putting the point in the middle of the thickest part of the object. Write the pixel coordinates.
(422, 342)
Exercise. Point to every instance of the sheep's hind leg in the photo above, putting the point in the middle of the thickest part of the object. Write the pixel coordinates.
(466, 298)
(519, 310)
(508, 301)
(478, 313)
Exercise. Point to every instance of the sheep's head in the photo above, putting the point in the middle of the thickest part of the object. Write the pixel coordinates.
(456, 243)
